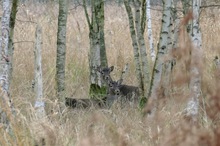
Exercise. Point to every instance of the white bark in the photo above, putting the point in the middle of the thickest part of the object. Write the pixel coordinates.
(39, 103)
(149, 31)
(195, 82)
(142, 49)
(4, 44)
(176, 23)
(61, 49)
(4, 58)
(135, 47)
(163, 48)
(5, 100)
(95, 61)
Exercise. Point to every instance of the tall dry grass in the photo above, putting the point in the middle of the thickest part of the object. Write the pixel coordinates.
(113, 126)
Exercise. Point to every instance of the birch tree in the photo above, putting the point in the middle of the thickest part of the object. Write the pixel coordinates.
(61, 50)
(135, 47)
(187, 6)
(11, 37)
(162, 49)
(97, 54)
(39, 103)
(149, 31)
(137, 27)
(176, 23)
(195, 70)
(6, 106)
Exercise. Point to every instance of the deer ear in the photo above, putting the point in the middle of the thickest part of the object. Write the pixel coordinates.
(111, 68)
(120, 81)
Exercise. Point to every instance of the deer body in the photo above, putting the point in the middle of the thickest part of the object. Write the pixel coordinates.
(85, 103)
(115, 89)
(127, 92)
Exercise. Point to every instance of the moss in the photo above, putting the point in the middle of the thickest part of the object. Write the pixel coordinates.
(97, 92)
(143, 102)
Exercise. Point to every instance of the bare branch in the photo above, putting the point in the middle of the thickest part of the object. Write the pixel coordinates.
(208, 6)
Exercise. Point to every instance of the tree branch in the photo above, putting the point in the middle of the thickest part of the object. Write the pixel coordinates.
(208, 6)
(86, 13)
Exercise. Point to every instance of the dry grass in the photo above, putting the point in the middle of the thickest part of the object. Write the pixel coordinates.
(113, 126)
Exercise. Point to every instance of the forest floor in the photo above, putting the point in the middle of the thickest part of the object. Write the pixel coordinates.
(104, 127)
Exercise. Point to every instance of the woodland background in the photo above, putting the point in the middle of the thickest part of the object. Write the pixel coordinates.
(114, 126)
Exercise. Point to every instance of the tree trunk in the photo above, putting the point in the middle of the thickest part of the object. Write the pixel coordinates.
(149, 31)
(195, 70)
(61, 50)
(168, 62)
(135, 47)
(142, 47)
(187, 6)
(39, 103)
(97, 55)
(162, 50)
(6, 105)
(101, 18)
(11, 37)
(176, 23)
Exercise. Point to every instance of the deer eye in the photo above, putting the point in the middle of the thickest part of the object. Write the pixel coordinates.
(117, 92)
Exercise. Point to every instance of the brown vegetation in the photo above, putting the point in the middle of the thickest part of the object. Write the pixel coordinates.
(115, 126)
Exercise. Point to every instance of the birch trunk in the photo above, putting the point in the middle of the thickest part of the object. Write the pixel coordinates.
(61, 50)
(162, 49)
(135, 47)
(6, 105)
(176, 23)
(101, 18)
(39, 103)
(11, 37)
(95, 46)
(149, 31)
(97, 55)
(195, 71)
(167, 64)
(142, 47)
(187, 5)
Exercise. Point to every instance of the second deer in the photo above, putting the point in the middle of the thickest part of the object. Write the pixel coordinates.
(125, 92)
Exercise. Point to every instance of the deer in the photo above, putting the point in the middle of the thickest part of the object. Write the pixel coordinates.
(110, 84)
(105, 75)
(125, 92)
(119, 91)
